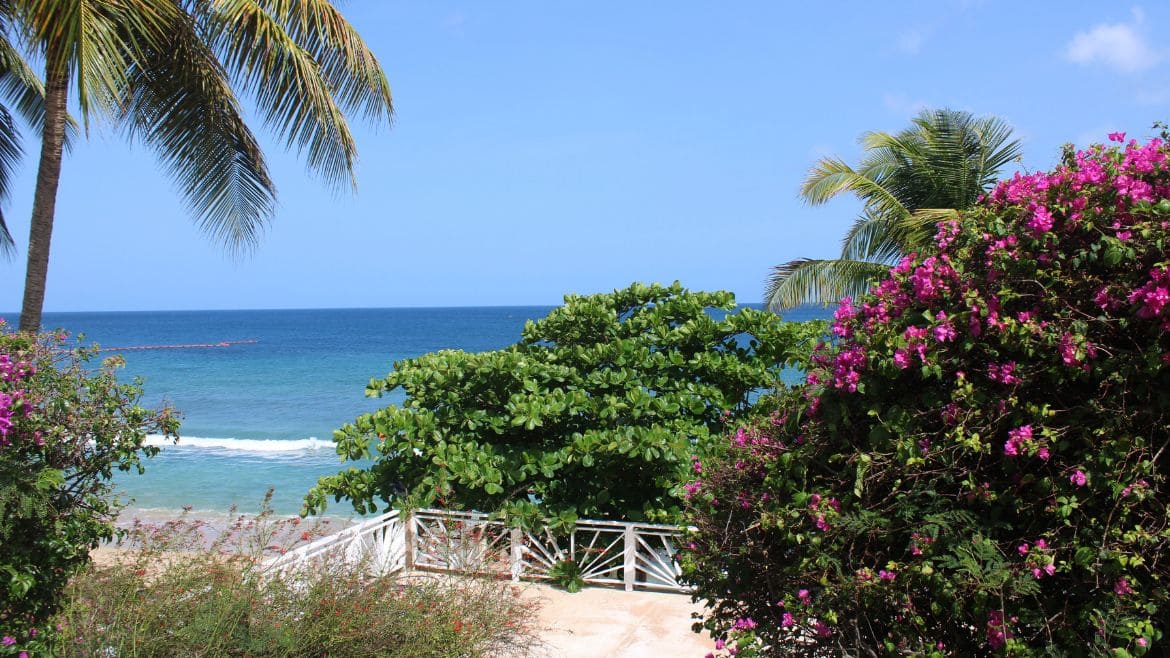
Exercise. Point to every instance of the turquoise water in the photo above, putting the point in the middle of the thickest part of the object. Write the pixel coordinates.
(259, 412)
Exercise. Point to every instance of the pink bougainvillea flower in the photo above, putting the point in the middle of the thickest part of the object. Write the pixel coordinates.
(1116, 137)
(1122, 587)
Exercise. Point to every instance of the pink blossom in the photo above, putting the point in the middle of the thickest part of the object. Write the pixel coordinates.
(1078, 478)
(945, 332)
(1004, 373)
(744, 624)
(1041, 221)
(1017, 439)
(902, 358)
(1122, 587)
(1117, 137)
(997, 631)
(787, 620)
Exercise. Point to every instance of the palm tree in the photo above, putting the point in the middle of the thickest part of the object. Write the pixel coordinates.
(165, 72)
(941, 164)
(23, 94)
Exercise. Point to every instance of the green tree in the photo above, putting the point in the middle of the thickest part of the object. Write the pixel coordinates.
(593, 413)
(165, 73)
(944, 161)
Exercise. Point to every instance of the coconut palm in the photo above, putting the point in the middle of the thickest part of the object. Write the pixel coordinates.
(23, 95)
(166, 73)
(941, 164)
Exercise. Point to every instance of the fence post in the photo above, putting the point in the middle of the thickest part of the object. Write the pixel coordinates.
(408, 540)
(517, 561)
(631, 558)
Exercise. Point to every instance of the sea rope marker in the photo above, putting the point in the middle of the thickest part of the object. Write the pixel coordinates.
(192, 346)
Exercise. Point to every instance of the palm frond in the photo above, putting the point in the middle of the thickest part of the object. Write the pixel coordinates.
(183, 106)
(10, 155)
(808, 281)
(353, 73)
(874, 238)
(831, 177)
(289, 85)
(95, 41)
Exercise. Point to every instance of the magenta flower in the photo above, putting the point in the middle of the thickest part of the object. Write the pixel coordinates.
(744, 624)
(1117, 137)
(787, 620)
(8, 641)
(1078, 478)
(1122, 587)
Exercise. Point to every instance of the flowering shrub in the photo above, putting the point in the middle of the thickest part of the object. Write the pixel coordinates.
(975, 465)
(64, 428)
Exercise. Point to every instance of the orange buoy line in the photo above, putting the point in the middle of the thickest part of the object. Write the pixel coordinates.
(195, 346)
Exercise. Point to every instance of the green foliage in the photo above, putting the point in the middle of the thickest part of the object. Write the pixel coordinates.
(66, 429)
(592, 414)
(566, 574)
(976, 465)
(216, 600)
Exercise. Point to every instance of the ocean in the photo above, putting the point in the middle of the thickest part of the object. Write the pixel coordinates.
(261, 392)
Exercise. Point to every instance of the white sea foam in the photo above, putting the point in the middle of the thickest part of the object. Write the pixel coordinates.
(244, 445)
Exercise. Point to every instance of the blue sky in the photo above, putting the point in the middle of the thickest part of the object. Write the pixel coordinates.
(577, 147)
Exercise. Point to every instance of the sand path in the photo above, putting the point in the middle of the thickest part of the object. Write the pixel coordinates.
(610, 623)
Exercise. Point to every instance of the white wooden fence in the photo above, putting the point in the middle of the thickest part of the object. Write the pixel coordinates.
(633, 555)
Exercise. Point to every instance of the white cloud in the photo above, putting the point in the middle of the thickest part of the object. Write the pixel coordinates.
(1119, 46)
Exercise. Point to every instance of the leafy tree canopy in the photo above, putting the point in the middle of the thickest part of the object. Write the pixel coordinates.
(593, 413)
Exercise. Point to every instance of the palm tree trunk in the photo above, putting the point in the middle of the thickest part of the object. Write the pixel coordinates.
(40, 231)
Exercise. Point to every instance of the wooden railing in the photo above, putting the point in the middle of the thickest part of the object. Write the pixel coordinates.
(614, 553)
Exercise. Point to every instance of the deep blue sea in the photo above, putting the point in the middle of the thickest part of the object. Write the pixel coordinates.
(260, 411)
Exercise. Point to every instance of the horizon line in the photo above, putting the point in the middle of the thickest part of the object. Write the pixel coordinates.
(16, 314)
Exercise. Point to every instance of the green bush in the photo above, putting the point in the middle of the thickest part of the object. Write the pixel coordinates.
(976, 465)
(64, 429)
(175, 594)
(592, 414)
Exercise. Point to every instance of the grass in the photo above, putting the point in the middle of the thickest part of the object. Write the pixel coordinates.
(177, 593)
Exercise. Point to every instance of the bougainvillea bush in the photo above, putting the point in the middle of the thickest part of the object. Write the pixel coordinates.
(976, 464)
(65, 427)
